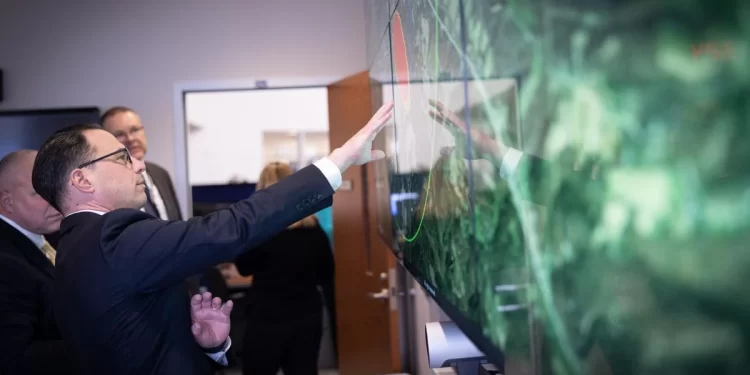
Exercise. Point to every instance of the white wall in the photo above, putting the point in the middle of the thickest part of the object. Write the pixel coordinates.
(229, 142)
(104, 53)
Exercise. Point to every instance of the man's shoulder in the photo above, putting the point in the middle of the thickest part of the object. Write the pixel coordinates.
(126, 229)
(7, 257)
(6, 246)
(9, 239)
(153, 168)
(98, 229)
(8, 234)
(125, 216)
(12, 266)
(13, 243)
(135, 224)
(159, 175)
(150, 164)
(107, 224)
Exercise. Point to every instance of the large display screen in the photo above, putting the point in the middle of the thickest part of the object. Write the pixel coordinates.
(569, 179)
(28, 129)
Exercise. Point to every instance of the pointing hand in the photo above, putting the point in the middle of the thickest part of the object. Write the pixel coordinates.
(358, 149)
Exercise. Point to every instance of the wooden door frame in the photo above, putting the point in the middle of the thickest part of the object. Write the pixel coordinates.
(371, 267)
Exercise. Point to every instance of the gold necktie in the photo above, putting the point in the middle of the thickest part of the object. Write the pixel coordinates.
(49, 252)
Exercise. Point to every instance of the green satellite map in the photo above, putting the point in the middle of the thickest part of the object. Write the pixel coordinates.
(572, 175)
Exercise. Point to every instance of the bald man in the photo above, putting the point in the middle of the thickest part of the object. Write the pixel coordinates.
(30, 342)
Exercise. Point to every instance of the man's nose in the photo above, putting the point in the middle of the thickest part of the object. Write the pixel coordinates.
(129, 137)
(138, 165)
(124, 136)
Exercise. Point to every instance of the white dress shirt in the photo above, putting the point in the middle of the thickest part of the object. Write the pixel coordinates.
(156, 198)
(330, 171)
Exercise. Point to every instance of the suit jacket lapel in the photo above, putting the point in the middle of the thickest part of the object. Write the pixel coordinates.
(27, 249)
(165, 191)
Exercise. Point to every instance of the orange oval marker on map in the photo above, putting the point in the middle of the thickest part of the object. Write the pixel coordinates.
(400, 60)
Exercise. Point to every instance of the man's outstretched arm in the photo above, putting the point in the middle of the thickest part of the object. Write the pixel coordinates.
(151, 254)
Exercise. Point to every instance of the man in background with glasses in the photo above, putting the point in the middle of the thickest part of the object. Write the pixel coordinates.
(121, 303)
(126, 126)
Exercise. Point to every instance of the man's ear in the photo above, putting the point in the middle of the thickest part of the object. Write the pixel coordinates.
(80, 181)
(6, 201)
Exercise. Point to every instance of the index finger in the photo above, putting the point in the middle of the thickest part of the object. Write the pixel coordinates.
(447, 122)
(377, 122)
(386, 107)
(437, 104)
(381, 124)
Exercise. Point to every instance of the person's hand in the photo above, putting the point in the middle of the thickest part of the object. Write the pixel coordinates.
(485, 146)
(210, 320)
(358, 149)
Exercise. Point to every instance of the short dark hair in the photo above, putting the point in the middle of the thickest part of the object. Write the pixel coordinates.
(112, 112)
(59, 155)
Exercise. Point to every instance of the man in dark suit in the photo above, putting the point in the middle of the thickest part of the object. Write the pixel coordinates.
(161, 199)
(127, 127)
(31, 343)
(120, 301)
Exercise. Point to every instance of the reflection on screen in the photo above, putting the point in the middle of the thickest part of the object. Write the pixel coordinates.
(571, 177)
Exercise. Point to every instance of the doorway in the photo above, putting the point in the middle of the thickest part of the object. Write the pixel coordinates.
(229, 136)
(364, 349)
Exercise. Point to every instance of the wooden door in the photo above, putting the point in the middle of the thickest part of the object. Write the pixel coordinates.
(367, 320)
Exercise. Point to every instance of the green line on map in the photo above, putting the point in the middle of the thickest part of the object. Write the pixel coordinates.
(429, 174)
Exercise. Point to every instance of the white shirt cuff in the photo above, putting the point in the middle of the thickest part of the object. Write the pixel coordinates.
(510, 162)
(221, 357)
(330, 171)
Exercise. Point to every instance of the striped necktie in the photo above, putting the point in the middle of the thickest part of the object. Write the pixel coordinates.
(49, 252)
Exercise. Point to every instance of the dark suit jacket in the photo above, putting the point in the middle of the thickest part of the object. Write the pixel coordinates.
(29, 340)
(166, 189)
(287, 269)
(121, 304)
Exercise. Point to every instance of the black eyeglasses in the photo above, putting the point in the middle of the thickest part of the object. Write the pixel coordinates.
(125, 157)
